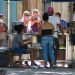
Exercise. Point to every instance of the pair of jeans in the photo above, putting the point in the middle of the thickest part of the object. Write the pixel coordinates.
(47, 48)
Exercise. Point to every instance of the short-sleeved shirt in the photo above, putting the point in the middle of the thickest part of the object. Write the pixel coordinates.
(18, 38)
(34, 27)
(63, 23)
(16, 41)
(54, 20)
(3, 27)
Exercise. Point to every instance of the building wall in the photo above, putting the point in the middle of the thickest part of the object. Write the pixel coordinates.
(6, 12)
(19, 10)
(29, 6)
(13, 11)
(18, 7)
(35, 4)
(2, 6)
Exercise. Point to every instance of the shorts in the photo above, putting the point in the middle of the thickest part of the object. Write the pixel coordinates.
(20, 50)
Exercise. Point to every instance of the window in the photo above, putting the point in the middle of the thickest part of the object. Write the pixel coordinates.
(25, 5)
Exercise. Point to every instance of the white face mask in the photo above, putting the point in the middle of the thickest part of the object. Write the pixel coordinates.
(1, 20)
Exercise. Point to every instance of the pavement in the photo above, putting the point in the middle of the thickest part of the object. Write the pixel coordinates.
(39, 71)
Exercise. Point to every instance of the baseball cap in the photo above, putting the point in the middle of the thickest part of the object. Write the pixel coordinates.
(50, 9)
(1, 15)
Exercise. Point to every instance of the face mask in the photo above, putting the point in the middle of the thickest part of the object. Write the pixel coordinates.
(1, 20)
(36, 17)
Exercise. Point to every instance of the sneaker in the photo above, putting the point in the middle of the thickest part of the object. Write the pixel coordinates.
(34, 66)
(46, 66)
(26, 63)
(53, 66)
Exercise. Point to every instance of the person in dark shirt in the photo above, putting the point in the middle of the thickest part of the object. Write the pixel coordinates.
(20, 45)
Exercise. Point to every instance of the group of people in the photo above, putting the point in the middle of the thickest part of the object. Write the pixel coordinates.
(47, 27)
(31, 21)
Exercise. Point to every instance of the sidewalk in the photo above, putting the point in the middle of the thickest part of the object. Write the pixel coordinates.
(41, 71)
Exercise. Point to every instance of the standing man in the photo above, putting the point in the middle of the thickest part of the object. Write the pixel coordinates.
(56, 22)
(3, 29)
(1, 21)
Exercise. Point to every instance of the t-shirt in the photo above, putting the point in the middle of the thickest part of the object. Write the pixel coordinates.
(16, 41)
(54, 20)
(34, 27)
(3, 27)
(63, 23)
(18, 38)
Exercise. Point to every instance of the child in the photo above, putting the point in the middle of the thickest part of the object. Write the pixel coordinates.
(18, 45)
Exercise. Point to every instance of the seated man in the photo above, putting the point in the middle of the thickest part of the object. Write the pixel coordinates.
(18, 45)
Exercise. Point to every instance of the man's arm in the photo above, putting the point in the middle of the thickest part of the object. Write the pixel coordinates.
(27, 41)
(61, 29)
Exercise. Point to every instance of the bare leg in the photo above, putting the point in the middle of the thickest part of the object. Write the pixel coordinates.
(10, 57)
(31, 51)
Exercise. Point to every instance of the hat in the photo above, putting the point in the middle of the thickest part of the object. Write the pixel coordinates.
(1, 15)
(50, 9)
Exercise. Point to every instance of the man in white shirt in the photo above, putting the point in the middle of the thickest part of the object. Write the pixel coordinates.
(56, 22)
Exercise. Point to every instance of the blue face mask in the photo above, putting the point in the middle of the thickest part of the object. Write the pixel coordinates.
(36, 17)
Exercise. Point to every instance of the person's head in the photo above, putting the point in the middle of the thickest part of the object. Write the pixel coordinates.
(35, 13)
(58, 14)
(1, 17)
(18, 28)
(26, 16)
(45, 16)
(50, 11)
